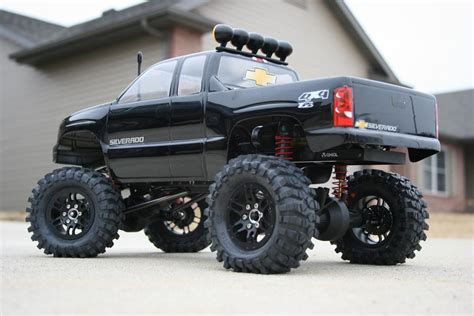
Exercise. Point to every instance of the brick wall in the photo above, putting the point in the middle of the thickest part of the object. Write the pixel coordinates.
(455, 199)
(184, 41)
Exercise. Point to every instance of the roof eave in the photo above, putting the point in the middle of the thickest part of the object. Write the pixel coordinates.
(362, 40)
(110, 33)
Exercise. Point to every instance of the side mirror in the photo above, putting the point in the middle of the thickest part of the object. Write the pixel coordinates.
(139, 61)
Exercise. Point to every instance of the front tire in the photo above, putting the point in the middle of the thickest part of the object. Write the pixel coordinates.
(261, 215)
(74, 212)
(392, 214)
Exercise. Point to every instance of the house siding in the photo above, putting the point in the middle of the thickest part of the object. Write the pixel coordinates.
(33, 101)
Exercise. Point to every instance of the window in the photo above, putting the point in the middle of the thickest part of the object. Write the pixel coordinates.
(239, 73)
(435, 173)
(155, 83)
(191, 75)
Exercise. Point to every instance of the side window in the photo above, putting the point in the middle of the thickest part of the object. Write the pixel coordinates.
(155, 83)
(190, 78)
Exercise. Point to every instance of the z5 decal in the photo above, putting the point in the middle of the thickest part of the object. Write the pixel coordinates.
(306, 100)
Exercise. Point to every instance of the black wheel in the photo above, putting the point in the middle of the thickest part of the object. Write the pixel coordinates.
(392, 217)
(74, 212)
(185, 233)
(261, 215)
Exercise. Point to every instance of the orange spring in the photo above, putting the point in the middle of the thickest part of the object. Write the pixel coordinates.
(340, 184)
(284, 147)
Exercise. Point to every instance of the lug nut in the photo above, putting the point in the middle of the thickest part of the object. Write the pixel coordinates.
(76, 206)
(257, 225)
(68, 221)
(255, 205)
(68, 206)
(247, 207)
(244, 217)
(75, 221)
(64, 213)
(79, 213)
(249, 226)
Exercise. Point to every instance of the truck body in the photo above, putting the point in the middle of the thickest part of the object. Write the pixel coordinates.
(188, 138)
(225, 148)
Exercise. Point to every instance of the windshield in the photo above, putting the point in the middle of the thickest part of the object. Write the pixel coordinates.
(235, 72)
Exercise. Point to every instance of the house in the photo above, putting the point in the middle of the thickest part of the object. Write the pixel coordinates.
(447, 179)
(49, 71)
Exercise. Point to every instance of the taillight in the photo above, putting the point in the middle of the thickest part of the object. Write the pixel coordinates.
(343, 110)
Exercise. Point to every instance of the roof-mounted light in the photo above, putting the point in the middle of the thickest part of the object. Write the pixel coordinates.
(222, 34)
(270, 45)
(255, 42)
(239, 38)
(284, 50)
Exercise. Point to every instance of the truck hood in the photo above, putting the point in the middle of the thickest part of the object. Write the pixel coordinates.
(92, 119)
(90, 111)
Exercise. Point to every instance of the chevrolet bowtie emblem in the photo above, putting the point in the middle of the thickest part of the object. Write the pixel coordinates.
(361, 124)
(260, 76)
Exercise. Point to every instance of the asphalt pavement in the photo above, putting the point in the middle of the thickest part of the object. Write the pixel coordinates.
(133, 278)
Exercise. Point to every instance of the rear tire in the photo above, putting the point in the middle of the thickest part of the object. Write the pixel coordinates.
(74, 212)
(261, 215)
(393, 219)
(173, 236)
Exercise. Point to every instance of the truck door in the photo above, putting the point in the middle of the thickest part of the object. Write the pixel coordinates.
(138, 126)
(187, 136)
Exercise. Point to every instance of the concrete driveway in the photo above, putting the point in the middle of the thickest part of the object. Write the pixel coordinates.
(133, 277)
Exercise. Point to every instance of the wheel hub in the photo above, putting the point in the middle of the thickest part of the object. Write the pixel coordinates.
(73, 213)
(378, 220)
(70, 214)
(251, 216)
(255, 215)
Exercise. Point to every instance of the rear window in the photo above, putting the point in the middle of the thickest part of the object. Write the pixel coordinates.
(238, 73)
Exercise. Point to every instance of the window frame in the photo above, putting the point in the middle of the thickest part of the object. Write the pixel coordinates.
(434, 171)
(203, 78)
(172, 85)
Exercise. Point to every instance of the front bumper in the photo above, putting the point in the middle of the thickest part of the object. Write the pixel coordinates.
(419, 147)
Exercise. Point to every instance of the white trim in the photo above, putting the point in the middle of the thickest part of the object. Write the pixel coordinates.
(434, 171)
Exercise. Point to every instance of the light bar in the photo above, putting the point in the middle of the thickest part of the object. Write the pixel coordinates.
(254, 42)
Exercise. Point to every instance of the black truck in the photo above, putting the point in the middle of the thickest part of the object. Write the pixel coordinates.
(227, 148)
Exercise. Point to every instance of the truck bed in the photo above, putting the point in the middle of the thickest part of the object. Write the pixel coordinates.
(384, 115)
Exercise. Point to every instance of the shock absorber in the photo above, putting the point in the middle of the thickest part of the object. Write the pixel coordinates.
(340, 182)
(284, 142)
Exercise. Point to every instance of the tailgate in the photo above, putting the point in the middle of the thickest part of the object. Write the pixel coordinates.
(390, 108)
